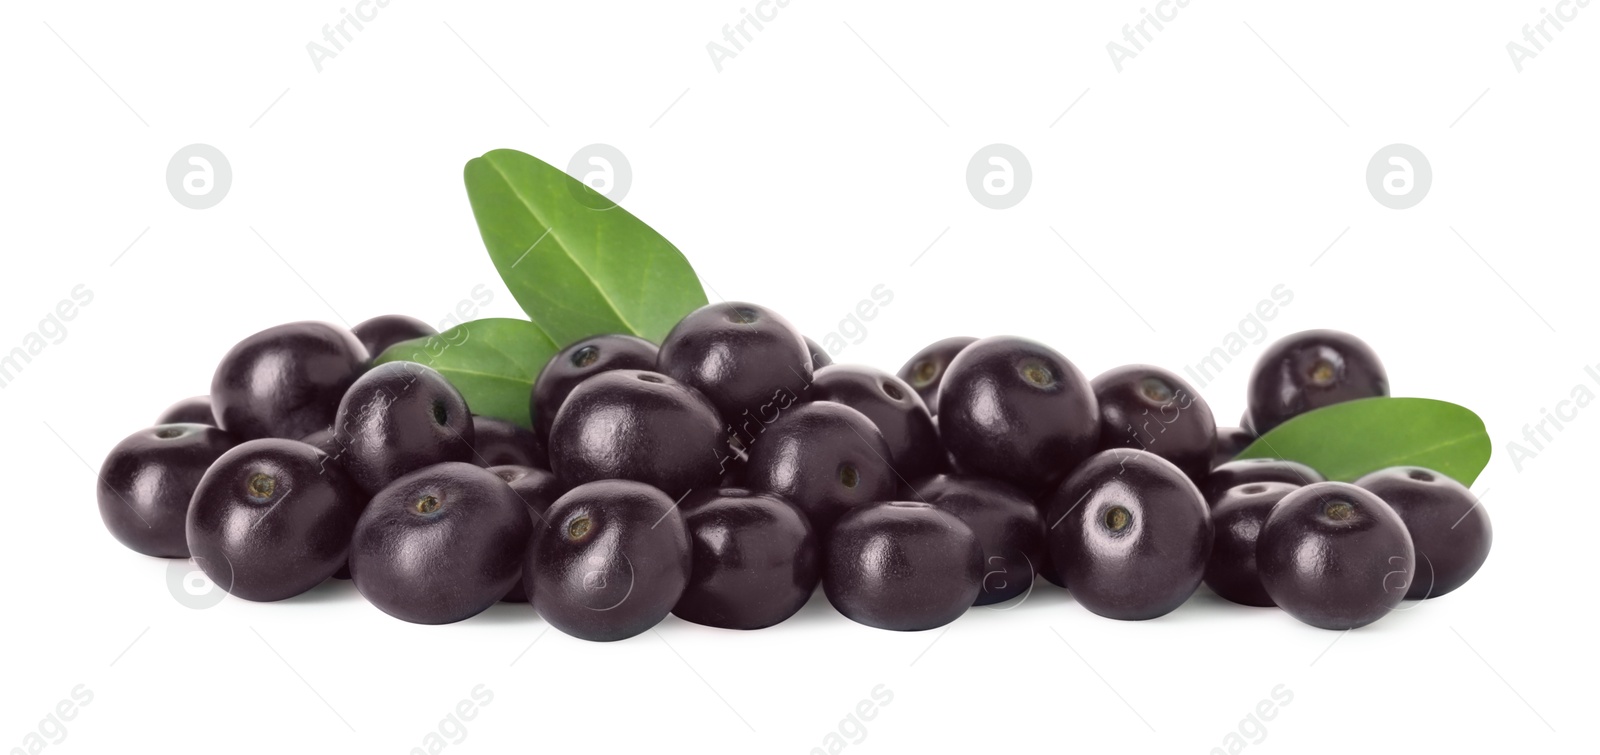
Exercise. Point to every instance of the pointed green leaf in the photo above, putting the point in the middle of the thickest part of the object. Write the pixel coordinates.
(1351, 439)
(578, 263)
(493, 362)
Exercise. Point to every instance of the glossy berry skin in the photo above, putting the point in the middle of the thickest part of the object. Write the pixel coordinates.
(742, 356)
(1335, 556)
(285, 381)
(1230, 441)
(925, 369)
(734, 458)
(1016, 410)
(1245, 471)
(1237, 517)
(147, 480)
(1449, 527)
(1009, 527)
(612, 561)
(1311, 370)
(398, 418)
(825, 458)
(819, 356)
(325, 442)
(383, 331)
(195, 410)
(756, 560)
(902, 565)
(637, 425)
(1129, 535)
(898, 412)
(1154, 410)
(440, 544)
(578, 362)
(537, 489)
(1048, 571)
(496, 442)
(272, 519)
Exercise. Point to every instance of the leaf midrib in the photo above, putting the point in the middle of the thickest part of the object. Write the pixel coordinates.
(485, 375)
(1460, 434)
(551, 229)
(1461, 440)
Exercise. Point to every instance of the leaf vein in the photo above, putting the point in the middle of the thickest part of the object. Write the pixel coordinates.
(526, 203)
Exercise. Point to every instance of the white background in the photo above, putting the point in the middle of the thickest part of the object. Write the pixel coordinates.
(821, 161)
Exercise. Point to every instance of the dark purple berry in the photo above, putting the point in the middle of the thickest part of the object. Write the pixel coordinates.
(741, 356)
(1129, 534)
(611, 562)
(147, 480)
(398, 418)
(755, 560)
(901, 565)
(440, 544)
(272, 519)
(194, 410)
(825, 458)
(1154, 410)
(1245, 471)
(496, 442)
(637, 425)
(1335, 556)
(925, 369)
(1449, 527)
(285, 381)
(897, 411)
(1007, 523)
(1237, 517)
(383, 331)
(1311, 370)
(1018, 411)
(578, 362)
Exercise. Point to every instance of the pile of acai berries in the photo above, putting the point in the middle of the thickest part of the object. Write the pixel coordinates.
(722, 476)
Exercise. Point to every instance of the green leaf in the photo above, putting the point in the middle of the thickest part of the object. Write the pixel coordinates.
(1351, 439)
(579, 264)
(493, 362)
